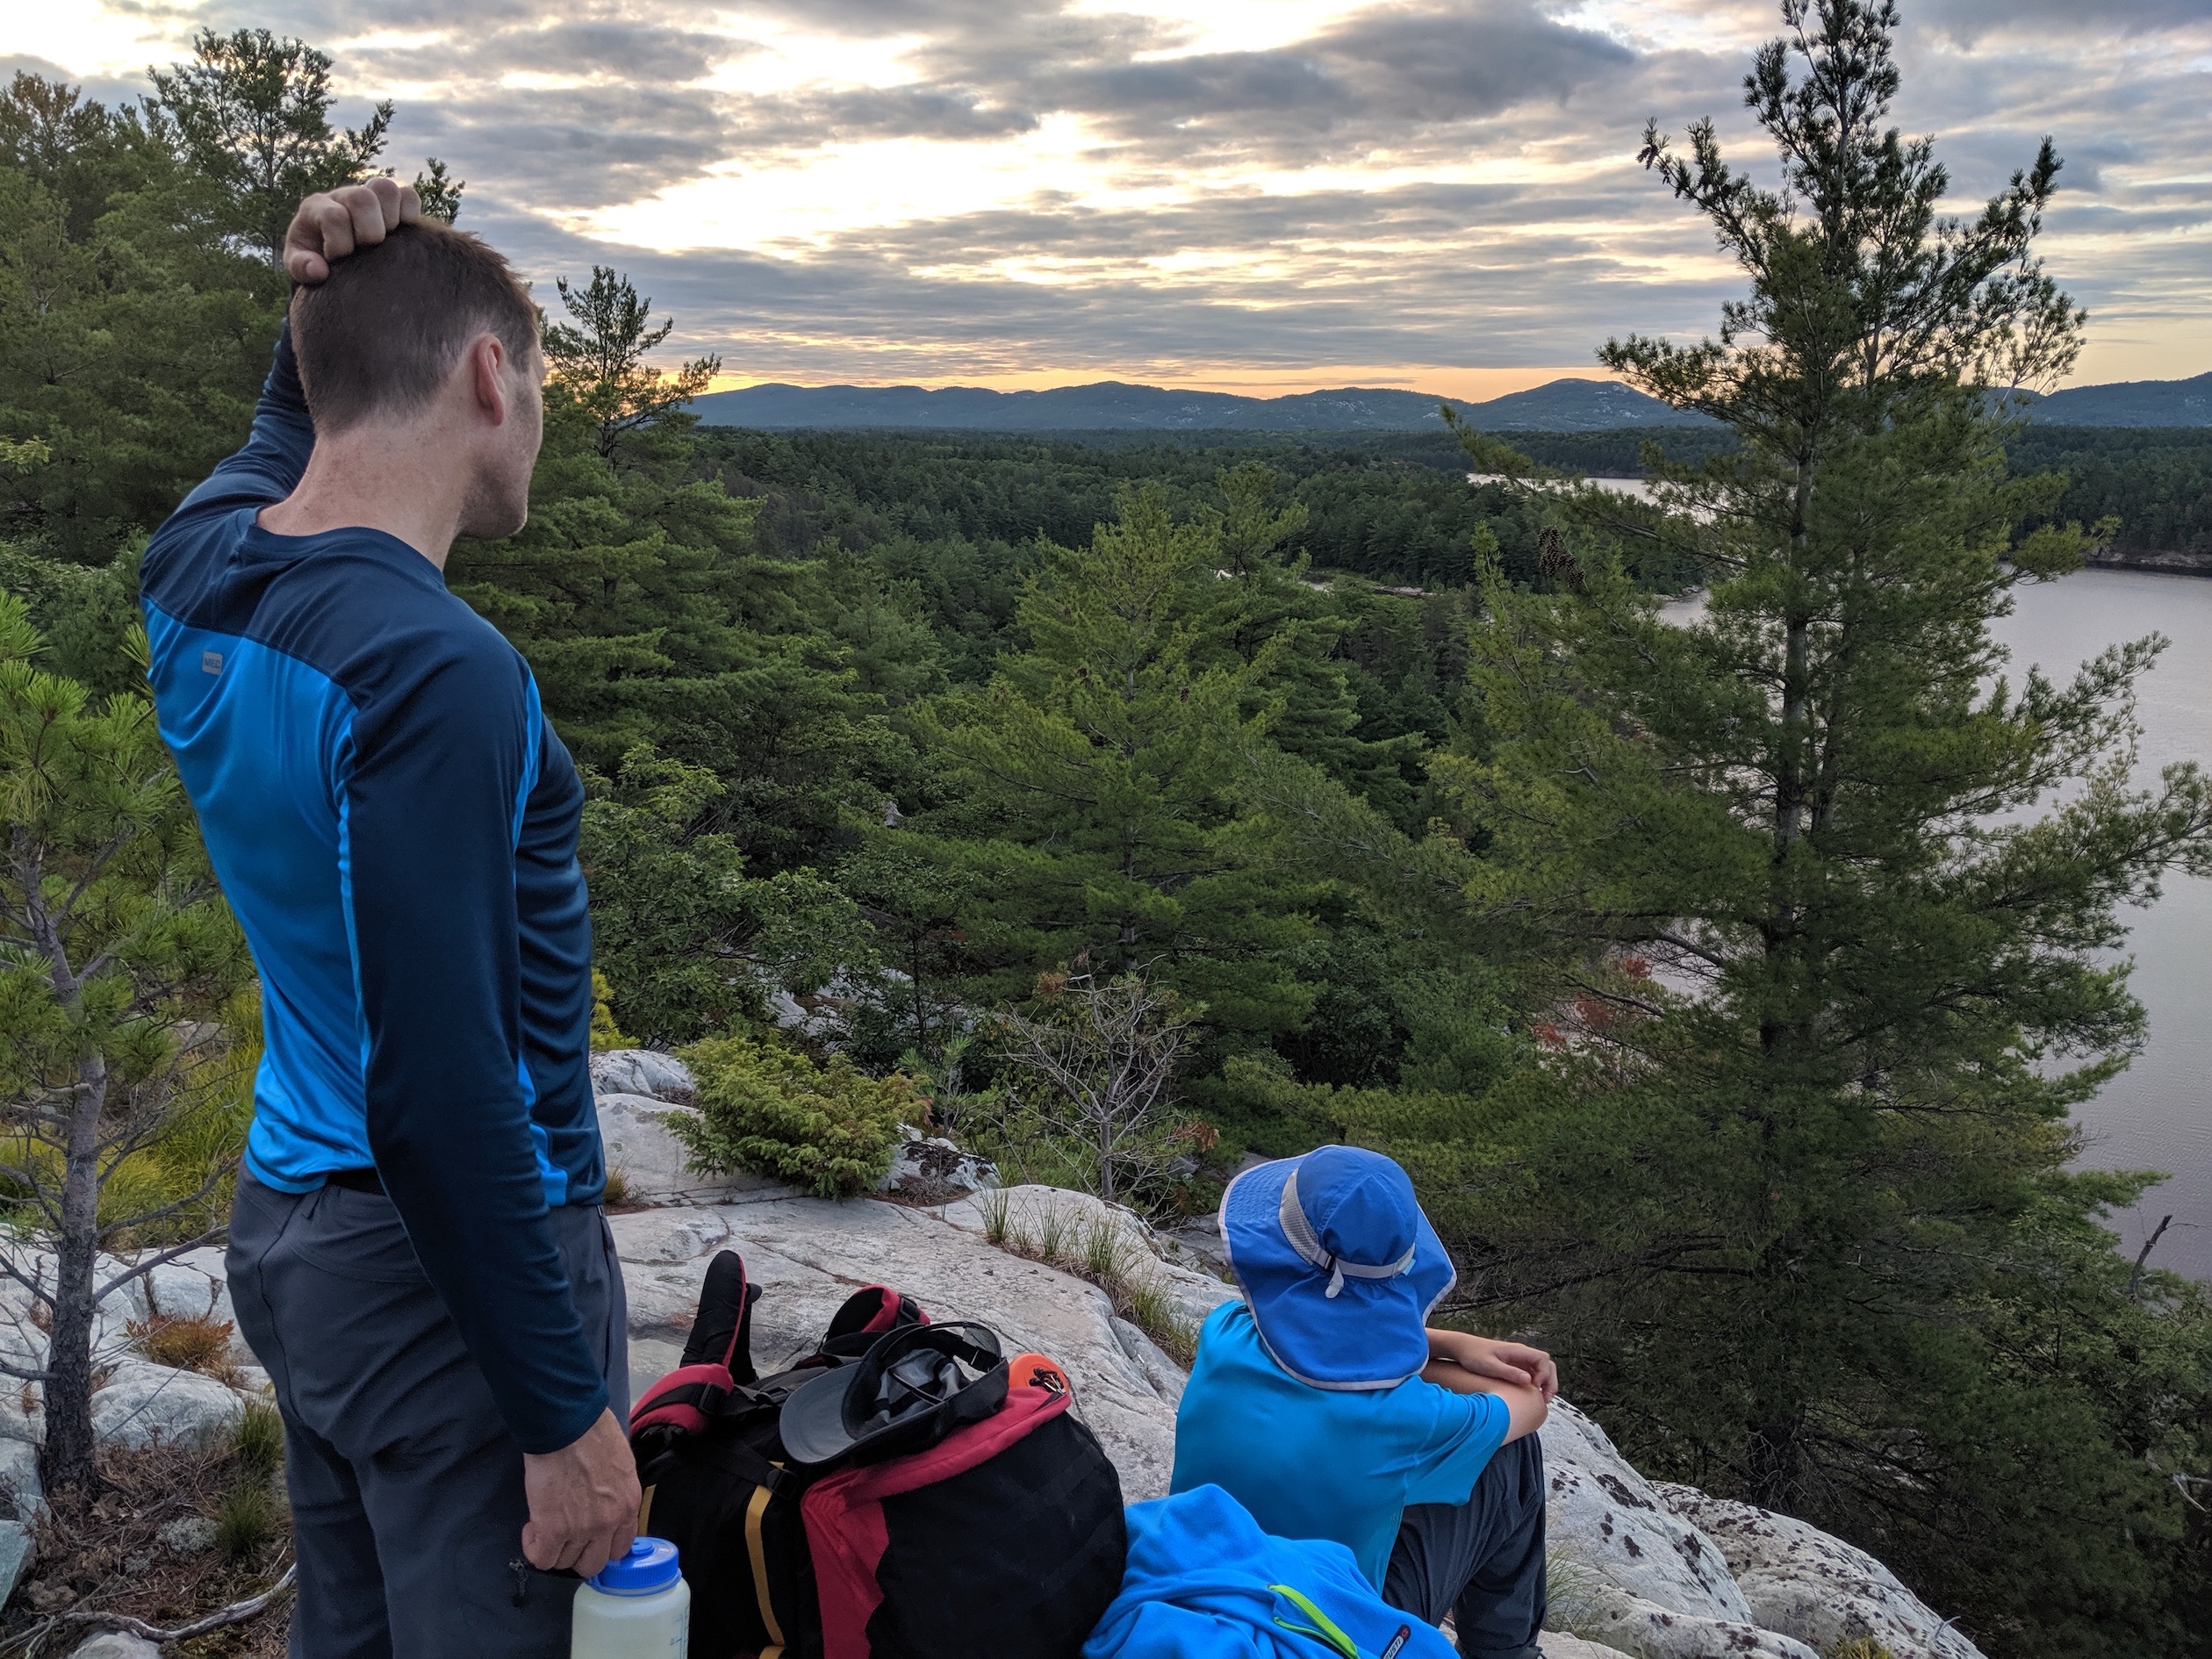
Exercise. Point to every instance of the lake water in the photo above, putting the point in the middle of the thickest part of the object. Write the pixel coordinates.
(2157, 1114)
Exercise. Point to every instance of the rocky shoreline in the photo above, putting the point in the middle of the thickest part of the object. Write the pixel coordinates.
(2172, 564)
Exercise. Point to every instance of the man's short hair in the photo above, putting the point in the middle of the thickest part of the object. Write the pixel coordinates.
(381, 333)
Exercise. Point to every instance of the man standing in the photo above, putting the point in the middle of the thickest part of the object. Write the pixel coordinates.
(417, 1252)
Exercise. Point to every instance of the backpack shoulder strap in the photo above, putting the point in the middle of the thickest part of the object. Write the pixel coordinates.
(873, 1311)
(722, 1334)
(686, 1400)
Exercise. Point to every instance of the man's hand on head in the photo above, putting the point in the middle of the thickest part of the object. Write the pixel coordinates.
(583, 1501)
(331, 224)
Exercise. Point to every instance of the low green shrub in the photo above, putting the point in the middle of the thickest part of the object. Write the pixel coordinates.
(822, 1124)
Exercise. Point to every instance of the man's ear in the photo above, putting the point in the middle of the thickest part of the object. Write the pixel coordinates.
(486, 360)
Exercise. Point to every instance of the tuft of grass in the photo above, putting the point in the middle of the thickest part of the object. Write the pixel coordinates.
(1576, 1594)
(247, 1519)
(1860, 1647)
(618, 1195)
(1054, 1234)
(188, 1342)
(1094, 1248)
(996, 1211)
(1103, 1248)
(259, 1437)
(1145, 1304)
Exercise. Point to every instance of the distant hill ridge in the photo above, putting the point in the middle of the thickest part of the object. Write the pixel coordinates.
(1561, 405)
(2129, 403)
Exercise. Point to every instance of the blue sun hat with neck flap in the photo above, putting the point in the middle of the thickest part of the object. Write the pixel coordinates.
(1339, 1264)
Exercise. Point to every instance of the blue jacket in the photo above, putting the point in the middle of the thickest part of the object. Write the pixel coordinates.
(1204, 1582)
(394, 825)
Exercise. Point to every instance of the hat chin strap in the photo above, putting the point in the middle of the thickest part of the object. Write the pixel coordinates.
(1302, 1239)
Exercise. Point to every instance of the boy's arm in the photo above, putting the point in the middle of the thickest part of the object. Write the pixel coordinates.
(1526, 1407)
(1524, 1377)
(1505, 1361)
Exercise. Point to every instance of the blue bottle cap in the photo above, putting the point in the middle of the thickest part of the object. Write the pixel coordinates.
(649, 1566)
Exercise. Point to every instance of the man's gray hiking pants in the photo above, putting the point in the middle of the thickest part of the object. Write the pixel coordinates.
(406, 1491)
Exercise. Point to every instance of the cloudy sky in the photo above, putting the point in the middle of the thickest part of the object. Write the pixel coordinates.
(1253, 195)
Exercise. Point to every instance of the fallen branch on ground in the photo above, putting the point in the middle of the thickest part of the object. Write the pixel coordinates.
(237, 1613)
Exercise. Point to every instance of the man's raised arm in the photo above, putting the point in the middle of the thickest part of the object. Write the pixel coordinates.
(326, 226)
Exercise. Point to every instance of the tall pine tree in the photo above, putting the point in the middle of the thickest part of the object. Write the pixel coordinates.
(253, 112)
(133, 337)
(1802, 1208)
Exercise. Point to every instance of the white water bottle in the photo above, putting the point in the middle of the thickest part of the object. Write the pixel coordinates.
(637, 1607)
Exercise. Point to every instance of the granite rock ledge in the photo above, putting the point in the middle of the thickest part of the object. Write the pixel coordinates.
(1658, 1571)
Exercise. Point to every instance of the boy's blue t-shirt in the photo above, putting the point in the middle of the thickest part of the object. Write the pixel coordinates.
(1313, 1462)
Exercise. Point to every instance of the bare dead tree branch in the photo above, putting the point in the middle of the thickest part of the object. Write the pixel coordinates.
(1106, 1054)
(237, 1613)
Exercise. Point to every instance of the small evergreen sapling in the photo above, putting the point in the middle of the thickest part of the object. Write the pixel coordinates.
(118, 960)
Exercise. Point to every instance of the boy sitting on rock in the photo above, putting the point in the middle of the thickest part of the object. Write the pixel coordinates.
(1324, 1405)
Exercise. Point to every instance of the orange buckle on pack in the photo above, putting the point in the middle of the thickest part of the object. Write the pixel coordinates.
(1036, 1371)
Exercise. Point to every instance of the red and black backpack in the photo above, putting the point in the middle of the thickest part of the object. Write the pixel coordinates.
(996, 1528)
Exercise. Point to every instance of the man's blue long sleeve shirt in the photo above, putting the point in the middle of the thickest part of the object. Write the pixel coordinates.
(395, 825)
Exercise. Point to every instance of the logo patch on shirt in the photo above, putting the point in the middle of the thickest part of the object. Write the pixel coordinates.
(210, 662)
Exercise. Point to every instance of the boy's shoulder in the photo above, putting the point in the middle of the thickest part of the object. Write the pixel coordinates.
(1227, 1336)
(1232, 1309)
(1232, 1354)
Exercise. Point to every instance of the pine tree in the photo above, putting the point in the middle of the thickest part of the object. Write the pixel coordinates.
(636, 595)
(690, 943)
(253, 111)
(729, 709)
(598, 360)
(118, 960)
(1791, 1190)
(439, 192)
(133, 338)
(1091, 786)
(1263, 612)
